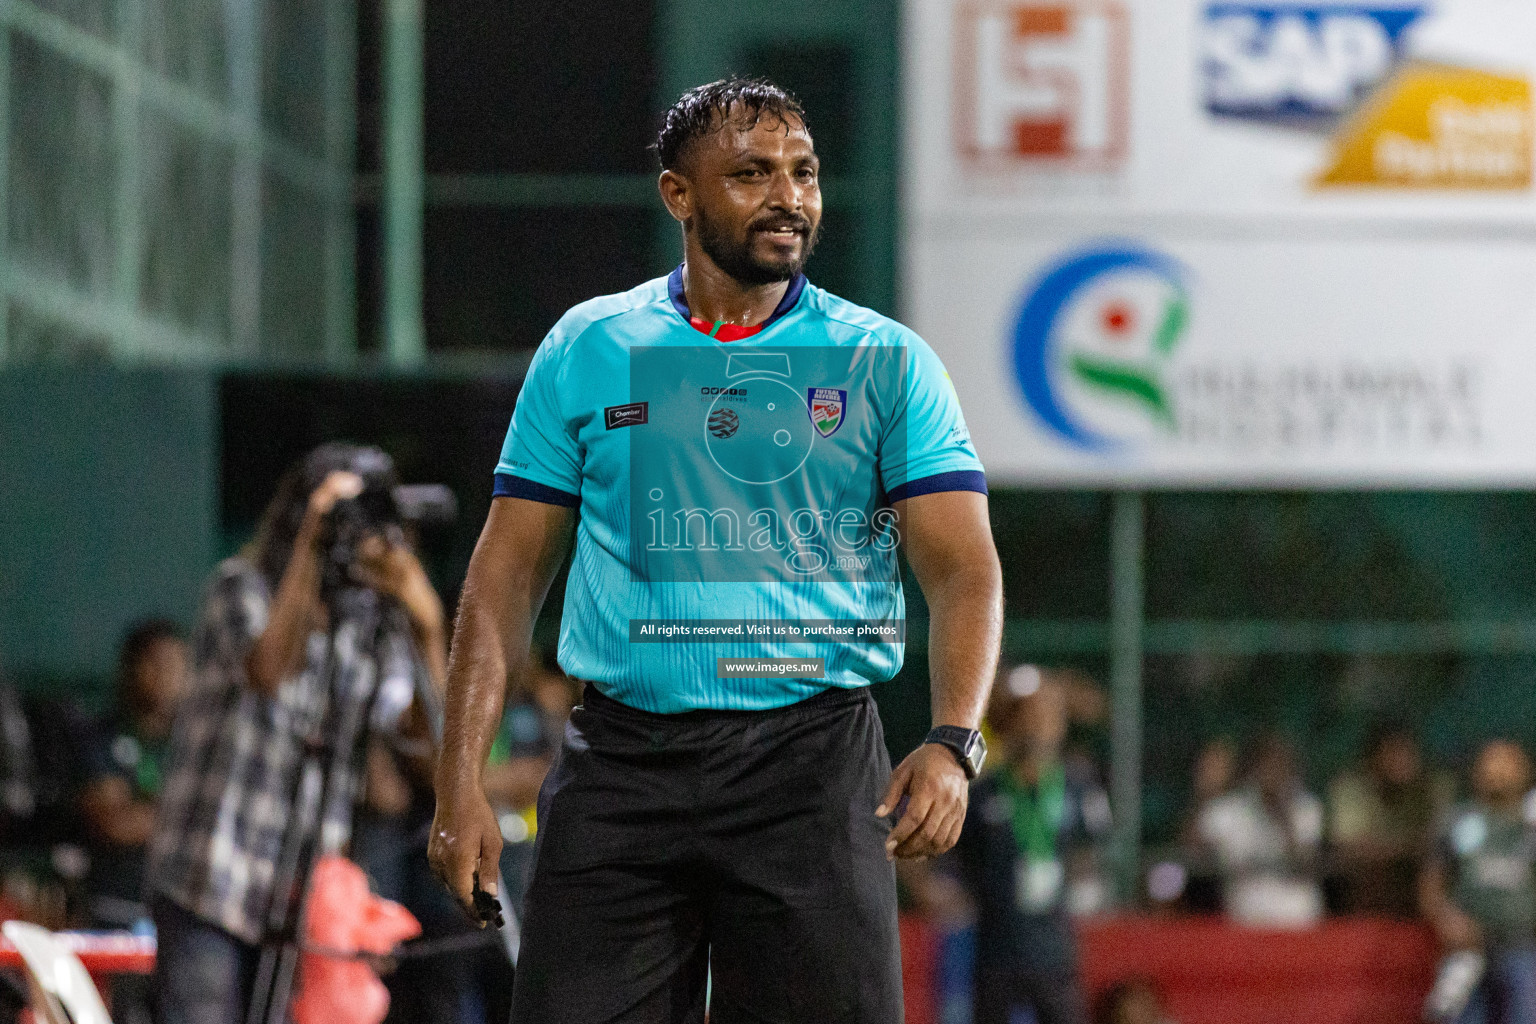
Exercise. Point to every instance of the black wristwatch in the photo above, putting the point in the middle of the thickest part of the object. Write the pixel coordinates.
(966, 744)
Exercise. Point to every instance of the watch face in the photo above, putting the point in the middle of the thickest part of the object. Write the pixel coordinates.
(975, 753)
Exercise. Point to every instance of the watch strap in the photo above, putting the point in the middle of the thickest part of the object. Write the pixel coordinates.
(960, 741)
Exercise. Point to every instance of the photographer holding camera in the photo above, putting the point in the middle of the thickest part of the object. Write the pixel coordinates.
(326, 616)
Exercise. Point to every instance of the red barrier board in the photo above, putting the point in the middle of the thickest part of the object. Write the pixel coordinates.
(100, 952)
(919, 963)
(1346, 971)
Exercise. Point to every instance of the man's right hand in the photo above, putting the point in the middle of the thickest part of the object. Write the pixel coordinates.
(466, 840)
(517, 556)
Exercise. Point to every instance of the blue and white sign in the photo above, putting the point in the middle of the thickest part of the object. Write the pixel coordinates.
(1093, 340)
(1305, 261)
(1217, 108)
(1160, 360)
(1297, 64)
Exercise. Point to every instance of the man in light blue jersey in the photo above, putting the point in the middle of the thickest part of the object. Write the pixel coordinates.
(740, 455)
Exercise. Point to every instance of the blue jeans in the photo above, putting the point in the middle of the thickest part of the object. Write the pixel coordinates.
(1507, 994)
(203, 974)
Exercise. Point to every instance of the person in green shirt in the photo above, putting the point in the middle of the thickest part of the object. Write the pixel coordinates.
(1031, 820)
(1479, 892)
(122, 759)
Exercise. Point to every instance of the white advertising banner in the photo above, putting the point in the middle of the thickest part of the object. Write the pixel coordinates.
(1182, 243)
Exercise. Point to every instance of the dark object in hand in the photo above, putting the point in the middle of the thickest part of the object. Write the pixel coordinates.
(487, 907)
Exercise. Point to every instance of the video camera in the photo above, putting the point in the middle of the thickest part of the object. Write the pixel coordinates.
(385, 507)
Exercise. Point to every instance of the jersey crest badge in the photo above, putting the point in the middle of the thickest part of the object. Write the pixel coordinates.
(827, 406)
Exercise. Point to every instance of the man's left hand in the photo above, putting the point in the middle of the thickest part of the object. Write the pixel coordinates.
(937, 792)
(394, 570)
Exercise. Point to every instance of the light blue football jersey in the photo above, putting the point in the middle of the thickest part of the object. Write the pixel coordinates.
(733, 496)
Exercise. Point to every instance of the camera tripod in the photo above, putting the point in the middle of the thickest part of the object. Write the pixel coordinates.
(331, 754)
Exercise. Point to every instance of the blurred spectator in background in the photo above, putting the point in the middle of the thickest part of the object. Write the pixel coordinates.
(466, 983)
(1265, 838)
(1134, 1001)
(462, 985)
(18, 767)
(1029, 826)
(122, 759)
(1089, 890)
(1478, 891)
(1213, 776)
(39, 861)
(525, 747)
(1199, 883)
(1381, 821)
(306, 625)
(18, 798)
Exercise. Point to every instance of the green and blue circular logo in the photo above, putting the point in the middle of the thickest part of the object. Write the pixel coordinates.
(1092, 342)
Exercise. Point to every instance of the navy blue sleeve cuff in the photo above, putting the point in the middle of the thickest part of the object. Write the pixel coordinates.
(509, 486)
(959, 480)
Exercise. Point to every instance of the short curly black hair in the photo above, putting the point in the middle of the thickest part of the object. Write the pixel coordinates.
(740, 102)
(141, 636)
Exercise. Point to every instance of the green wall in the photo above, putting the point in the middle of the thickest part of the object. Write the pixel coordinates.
(108, 510)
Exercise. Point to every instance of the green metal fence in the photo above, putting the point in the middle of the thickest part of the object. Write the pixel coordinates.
(177, 179)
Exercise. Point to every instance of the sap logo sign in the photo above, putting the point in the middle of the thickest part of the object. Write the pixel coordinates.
(1306, 64)
(1041, 82)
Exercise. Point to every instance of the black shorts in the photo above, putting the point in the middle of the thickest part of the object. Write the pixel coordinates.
(741, 845)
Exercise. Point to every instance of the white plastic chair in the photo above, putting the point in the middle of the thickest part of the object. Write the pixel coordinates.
(61, 990)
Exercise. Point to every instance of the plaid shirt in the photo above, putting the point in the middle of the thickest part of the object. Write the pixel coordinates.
(236, 754)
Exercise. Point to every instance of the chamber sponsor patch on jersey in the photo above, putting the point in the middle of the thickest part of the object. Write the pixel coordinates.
(629, 415)
(827, 406)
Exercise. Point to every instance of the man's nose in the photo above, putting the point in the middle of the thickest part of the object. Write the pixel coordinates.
(786, 194)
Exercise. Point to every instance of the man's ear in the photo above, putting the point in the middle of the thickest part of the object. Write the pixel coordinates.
(677, 194)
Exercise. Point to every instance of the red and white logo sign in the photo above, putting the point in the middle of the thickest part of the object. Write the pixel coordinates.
(1042, 83)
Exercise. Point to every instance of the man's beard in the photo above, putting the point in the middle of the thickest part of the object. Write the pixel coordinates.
(736, 259)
